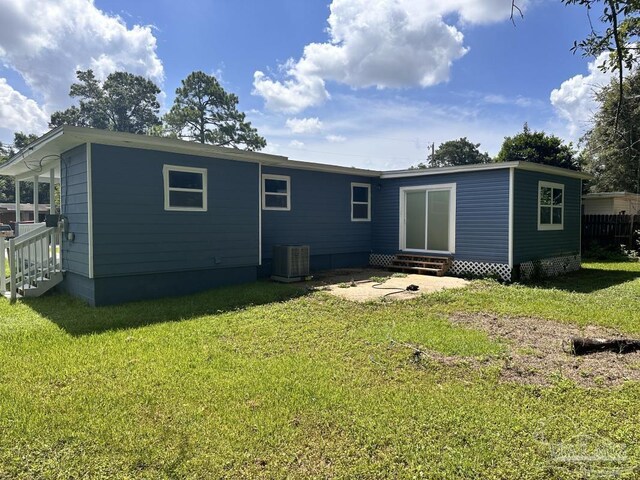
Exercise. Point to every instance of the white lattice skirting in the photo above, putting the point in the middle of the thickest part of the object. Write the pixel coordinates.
(481, 269)
(380, 259)
(546, 267)
(550, 267)
(459, 267)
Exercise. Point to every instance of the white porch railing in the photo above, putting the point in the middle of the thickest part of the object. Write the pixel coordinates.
(28, 227)
(34, 259)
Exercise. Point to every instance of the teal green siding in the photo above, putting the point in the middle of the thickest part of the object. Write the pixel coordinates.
(529, 243)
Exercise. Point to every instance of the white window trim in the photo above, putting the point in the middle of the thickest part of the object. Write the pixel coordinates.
(550, 226)
(367, 203)
(167, 189)
(285, 178)
(451, 187)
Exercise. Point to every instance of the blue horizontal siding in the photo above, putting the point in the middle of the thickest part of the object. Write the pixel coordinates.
(482, 214)
(75, 207)
(79, 286)
(529, 243)
(133, 234)
(320, 217)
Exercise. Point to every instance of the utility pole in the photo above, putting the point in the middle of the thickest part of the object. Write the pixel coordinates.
(433, 152)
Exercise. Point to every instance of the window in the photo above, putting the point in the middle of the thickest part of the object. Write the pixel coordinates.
(428, 218)
(360, 202)
(185, 188)
(550, 206)
(276, 192)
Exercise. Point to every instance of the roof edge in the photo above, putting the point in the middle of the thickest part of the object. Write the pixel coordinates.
(531, 166)
(81, 135)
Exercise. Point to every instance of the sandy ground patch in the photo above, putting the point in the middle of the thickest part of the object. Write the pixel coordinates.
(362, 285)
(536, 352)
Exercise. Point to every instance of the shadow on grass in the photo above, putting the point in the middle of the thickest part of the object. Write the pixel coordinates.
(77, 318)
(587, 280)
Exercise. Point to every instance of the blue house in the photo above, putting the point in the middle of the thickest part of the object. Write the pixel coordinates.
(144, 217)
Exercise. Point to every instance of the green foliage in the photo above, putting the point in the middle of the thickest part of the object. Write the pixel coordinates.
(4, 152)
(537, 147)
(612, 150)
(456, 152)
(123, 102)
(622, 21)
(256, 381)
(7, 184)
(21, 140)
(204, 112)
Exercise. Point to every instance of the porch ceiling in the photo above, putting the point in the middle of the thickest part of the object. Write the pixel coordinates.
(40, 157)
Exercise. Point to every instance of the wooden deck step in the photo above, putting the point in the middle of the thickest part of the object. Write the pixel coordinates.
(417, 262)
(420, 264)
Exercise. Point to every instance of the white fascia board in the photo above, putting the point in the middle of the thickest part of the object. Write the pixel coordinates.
(323, 167)
(632, 196)
(66, 137)
(563, 172)
(420, 172)
(535, 167)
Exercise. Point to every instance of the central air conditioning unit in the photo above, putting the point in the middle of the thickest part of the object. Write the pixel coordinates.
(290, 262)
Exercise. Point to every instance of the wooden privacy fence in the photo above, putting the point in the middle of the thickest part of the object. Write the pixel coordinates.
(610, 230)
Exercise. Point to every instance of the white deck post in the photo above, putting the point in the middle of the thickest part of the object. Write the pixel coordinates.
(12, 268)
(52, 191)
(36, 207)
(3, 274)
(17, 206)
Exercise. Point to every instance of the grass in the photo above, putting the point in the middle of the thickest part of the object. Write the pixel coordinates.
(268, 381)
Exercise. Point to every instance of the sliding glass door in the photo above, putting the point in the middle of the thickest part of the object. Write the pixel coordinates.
(427, 217)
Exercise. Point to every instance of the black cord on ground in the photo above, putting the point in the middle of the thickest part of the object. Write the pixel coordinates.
(398, 290)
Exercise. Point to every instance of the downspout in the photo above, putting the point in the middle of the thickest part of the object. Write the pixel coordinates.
(36, 200)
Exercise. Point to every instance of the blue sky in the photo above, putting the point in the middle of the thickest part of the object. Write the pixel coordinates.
(351, 82)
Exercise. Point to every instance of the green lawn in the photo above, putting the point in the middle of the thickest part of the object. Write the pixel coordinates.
(270, 381)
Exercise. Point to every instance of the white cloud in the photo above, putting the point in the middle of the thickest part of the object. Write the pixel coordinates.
(290, 96)
(47, 41)
(574, 101)
(19, 113)
(335, 138)
(403, 129)
(382, 44)
(498, 99)
(304, 125)
(296, 144)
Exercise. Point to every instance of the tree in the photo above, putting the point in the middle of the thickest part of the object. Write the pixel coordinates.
(4, 153)
(612, 152)
(538, 147)
(21, 140)
(620, 38)
(621, 19)
(456, 152)
(123, 102)
(203, 111)
(7, 184)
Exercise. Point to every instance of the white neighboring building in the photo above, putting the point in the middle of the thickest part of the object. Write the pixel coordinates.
(611, 203)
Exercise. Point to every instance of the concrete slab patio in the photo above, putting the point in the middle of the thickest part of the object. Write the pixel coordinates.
(362, 285)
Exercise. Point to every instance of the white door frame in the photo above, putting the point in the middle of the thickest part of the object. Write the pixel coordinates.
(450, 187)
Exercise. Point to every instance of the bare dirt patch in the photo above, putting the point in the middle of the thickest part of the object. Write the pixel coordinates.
(536, 352)
(362, 285)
